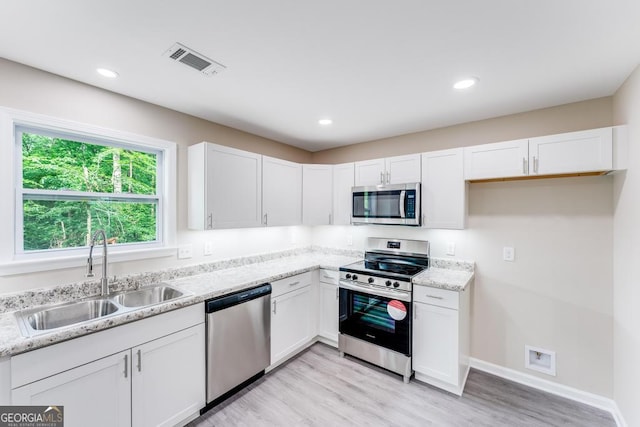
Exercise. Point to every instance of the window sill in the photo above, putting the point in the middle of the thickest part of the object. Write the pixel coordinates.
(46, 264)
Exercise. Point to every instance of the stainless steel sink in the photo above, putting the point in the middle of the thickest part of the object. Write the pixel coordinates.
(148, 296)
(41, 320)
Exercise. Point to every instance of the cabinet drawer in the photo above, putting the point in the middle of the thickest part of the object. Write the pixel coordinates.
(289, 284)
(329, 276)
(435, 296)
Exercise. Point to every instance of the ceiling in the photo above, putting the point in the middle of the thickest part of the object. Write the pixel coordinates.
(378, 68)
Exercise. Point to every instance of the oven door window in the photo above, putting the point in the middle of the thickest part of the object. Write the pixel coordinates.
(379, 320)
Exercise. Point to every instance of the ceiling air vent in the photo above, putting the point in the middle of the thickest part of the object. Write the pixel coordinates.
(193, 59)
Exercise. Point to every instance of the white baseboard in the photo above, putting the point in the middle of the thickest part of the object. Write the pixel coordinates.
(561, 390)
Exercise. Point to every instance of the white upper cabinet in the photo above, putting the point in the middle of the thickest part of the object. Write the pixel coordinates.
(444, 190)
(225, 187)
(567, 153)
(370, 172)
(392, 170)
(498, 160)
(574, 152)
(317, 194)
(343, 181)
(281, 192)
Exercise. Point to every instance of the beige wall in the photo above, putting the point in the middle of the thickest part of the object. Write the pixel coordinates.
(564, 118)
(626, 253)
(32, 90)
(558, 294)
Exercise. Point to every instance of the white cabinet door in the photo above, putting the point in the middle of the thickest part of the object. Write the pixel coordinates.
(343, 181)
(225, 187)
(291, 322)
(402, 169)
(328, 319)
(96, 394)
(370, 172)
(498, 160)
(444, 190)
(281, 192)
(317, 194)
(168, 378)
(574, 152)
(435, 342)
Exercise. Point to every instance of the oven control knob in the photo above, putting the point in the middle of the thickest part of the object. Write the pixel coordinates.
(388, 283)
(371, 279)
(348, 276)
(355, 277)
(396, 284)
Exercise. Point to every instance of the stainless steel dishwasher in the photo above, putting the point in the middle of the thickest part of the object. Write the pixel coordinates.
(238, 341)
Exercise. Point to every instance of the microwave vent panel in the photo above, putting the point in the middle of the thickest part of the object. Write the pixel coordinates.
(193, 59)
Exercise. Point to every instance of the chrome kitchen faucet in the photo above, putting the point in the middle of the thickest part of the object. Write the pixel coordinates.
(104, 282)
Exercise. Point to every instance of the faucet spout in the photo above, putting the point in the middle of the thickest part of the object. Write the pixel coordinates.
(104, 281)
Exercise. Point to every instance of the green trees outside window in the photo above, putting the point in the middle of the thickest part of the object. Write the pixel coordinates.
(71, 188)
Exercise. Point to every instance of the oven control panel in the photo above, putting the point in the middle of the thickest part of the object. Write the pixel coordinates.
(382, 282)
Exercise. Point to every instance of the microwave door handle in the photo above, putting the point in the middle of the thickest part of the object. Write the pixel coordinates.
(403, 196)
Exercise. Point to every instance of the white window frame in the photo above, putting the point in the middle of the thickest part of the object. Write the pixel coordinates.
(13, 258)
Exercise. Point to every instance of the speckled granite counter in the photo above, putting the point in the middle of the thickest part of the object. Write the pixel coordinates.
(229, 276)
(446, 274)
(203, 281)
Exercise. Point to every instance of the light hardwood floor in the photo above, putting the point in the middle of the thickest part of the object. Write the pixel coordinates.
(318, 388)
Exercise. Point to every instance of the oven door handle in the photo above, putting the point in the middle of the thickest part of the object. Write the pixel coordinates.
(403, 197)
(399, 295)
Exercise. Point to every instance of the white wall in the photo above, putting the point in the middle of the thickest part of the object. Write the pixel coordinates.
(556, 295)
(626, 255)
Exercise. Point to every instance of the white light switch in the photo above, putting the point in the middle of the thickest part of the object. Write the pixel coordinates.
(508, 253)
(451, 248)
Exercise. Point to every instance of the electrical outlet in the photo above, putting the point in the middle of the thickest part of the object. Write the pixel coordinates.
(208, 248)
(349, 240)
(508, 254)
(451, 248)
(185, 251)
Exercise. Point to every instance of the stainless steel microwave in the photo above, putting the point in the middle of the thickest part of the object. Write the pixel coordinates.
(397, 204)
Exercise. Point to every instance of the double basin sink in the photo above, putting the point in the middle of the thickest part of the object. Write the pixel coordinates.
(41, 320)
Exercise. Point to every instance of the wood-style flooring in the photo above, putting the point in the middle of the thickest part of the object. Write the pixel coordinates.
(318, 388)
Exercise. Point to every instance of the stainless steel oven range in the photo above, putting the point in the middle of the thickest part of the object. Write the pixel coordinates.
(376, 303)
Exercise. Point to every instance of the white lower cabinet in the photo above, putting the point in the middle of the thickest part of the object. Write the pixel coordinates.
(167, 378)
(160, 382)
(441, 337)
(328, 305)
(292, 316)
(96, 394)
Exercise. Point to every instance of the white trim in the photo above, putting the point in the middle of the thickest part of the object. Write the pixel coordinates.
(47, 264)
(561, 390)
(13, 262)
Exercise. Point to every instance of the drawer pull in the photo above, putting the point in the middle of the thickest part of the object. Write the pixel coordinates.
(294, 283)
(434, 296)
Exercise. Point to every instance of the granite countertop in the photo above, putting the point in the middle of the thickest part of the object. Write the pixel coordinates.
(203, 282)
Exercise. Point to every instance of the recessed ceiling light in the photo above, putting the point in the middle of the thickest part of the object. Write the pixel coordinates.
(107, 73)
(325, 122)
(466, 83)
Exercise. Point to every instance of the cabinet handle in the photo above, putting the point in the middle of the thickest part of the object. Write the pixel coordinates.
(535, 164)
(210, 221)
(434, 296)
(388, 177)
(126, 365)
(524, 166)
(274, 307)
(294, 283)
(415, 311)
(337, 293)
(139, 360)
(381, 177)
(265, 219)
(329, 218)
